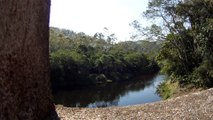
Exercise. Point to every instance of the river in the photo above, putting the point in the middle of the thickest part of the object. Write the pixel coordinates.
(139, 90)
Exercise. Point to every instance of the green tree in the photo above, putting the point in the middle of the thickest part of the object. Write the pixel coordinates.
(187, 26)
(79, 59)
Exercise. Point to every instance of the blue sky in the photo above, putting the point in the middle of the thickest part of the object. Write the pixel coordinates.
(91, 16)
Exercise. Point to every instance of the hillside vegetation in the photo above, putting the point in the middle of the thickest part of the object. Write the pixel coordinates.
(79, 59)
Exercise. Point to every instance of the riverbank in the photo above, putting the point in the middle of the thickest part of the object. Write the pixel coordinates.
(169, 89)
(198, 105)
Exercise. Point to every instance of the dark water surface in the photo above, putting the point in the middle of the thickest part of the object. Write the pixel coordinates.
(139, 90)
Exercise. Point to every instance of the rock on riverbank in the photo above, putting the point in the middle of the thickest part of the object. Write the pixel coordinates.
(194, 106)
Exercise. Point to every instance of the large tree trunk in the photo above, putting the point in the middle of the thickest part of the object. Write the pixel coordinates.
(24, 61)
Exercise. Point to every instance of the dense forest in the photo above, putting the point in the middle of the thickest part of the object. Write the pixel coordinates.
(180, 41)
(187, 30)
(80, 59)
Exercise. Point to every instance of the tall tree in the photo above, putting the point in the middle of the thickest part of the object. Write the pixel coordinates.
(187, 49)
(24, 65)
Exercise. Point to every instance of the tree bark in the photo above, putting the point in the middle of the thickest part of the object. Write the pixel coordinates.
(24, 60)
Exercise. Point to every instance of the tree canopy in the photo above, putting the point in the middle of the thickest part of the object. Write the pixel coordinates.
(186, 26)
(79, 59)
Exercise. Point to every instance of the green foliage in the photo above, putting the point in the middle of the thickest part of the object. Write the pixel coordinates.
(78, 59)
(167, 89)
(164, 90)
(136, 60)
(187, 51)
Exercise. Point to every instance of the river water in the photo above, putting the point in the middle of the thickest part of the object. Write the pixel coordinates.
(139, 90)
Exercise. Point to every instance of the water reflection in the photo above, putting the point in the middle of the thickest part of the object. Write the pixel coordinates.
(136, 91)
